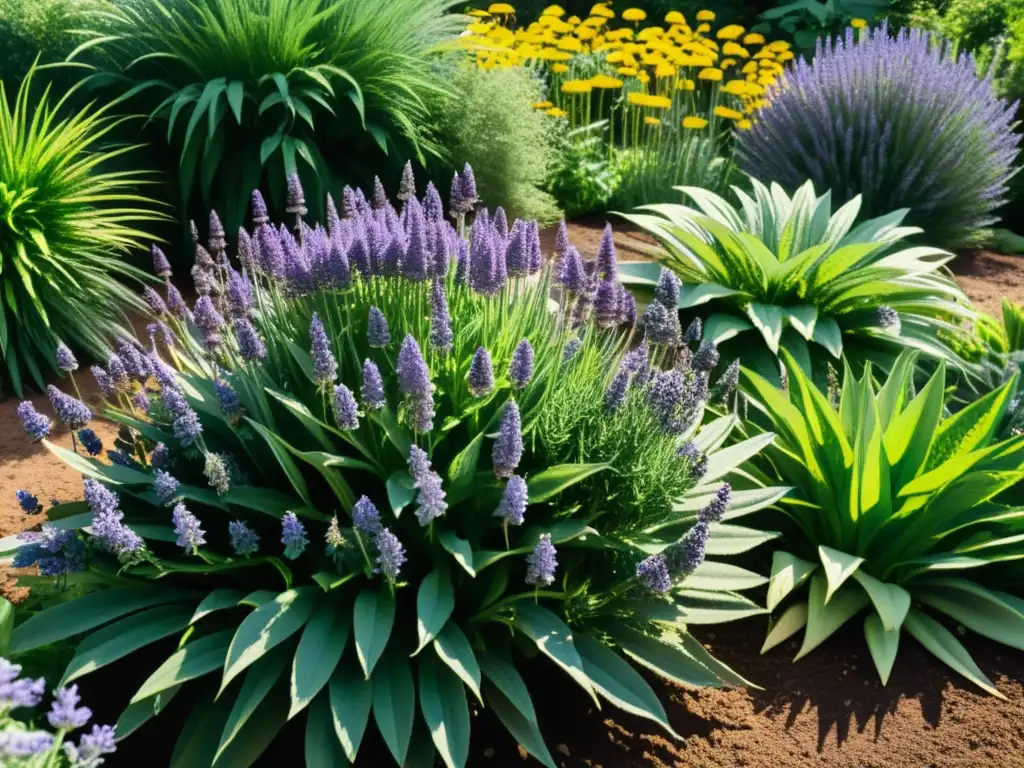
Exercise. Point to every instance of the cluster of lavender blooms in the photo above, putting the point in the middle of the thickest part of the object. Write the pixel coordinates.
(19, 744)
(659, 572)
(591, 286)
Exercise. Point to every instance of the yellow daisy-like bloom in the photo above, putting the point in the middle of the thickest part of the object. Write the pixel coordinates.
(705, 15)
(573, 20)
(733, 49)
(577, 86)
(674, 17)
(478, 13)
(685, 85)
(730, 32)
(710, 73)
(736, 87)
(605, 81)
(858, 23)
(695, 61)
(560, 68)
(502, 8)
(744, 125)
(766, 80)
(649, 100)
(615, 57)
(652, 120)
(542, 105)
(664, 70)
(627, 71)
(634, 14)
(556, 112)
(778, 45)
(570, 44)
(750, 66)
(726, 63)
(786, 56)
(552, 54)
(764, 53)
(703, 29)
(553, 10)
(729, 114)
(694, 123)
(602, 10)
(643, 77)
(754, 38)
(650, 34)
(479, 28)
(586, 33)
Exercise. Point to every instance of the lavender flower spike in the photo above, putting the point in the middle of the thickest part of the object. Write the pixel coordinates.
(377, 334)
(65, 714)
(250, 345)
(407, 187)
(373, 387)
(413, 375)
(325, 367)
(572, 274)
(293, 536)
(441, 336)
(607, 267)
(561, 240)
(541, 563)
(161, 266)
(520, 370)
(667, 290)
(694, 331)
(513, 501)
(391, 554)
(431, 497)
(346, 410)
(508, 447)
(35, 424)
(653, 574)
(244, 540)
(74, 413)
(365, 516)
(187, 528)
(166, 487)
(66, 359)
(481, 373)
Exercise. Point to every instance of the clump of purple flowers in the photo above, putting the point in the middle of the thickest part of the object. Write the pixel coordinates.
(899, 120)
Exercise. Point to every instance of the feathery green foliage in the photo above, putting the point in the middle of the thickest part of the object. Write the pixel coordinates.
(65, 225)
(893, 505)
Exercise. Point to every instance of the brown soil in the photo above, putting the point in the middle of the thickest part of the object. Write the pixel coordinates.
(827, 710)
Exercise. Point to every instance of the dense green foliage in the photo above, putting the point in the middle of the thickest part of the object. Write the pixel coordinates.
(893, 504)
(66, 223)
(38, 28)
(581, 177)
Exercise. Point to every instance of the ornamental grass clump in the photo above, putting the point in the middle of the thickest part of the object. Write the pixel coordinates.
(346, 490)
(898, 514)
(898, 120)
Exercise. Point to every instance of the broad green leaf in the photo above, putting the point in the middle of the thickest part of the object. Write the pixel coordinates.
(124, 637)
(803, 318)
(825, 618)
(554, 640)
(217, 600)
(88, 612)
(721, 327)
(435, 602)
(788, 573)
(734, 539)
(6, 625)
(270, 502)
(941, 643)
(550, 482)
(882, 644)
(618, 682)
(268, 626)
(260, 679)
(281, 452)
(322, 749)
(197, 741)
(351, 696)
(523, 729)
(107, 473)
(372, 619)
(722, 462)
(704, 607)
(258, 732)
(459, 549)
(741, 503)
(236, 92)
(792, 620)
(138, 714)
(838, 566)
(693, 647)
(196, 659)
(722, 577)
(767, 318)
(909, 435)
(972, 427)
(890, 600)
(445, 710)
(401, 492)
(977, 609)
(828, 334)
(394, 704)
(506, 678)
(319, 652)
(454, 650)
(668, 661)
(463, 466)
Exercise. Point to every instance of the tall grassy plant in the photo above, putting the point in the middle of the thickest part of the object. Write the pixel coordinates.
(65, 226)
(253, 89)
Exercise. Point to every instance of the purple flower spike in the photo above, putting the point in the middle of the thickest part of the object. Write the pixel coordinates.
(456, 200)
(501, 223)
(101, 740)
(244, 540)
(572, 273)
(65, 357)
(686, 555)
(166, 487)
(239, 295)
(250, 345)
(694, 331)
(607, 313)
(365, 516)
(430, 500)
(325, 367)
(661, 325)
(561, 240)
(377, 334)
(154, 301)
(295, 202)
(177, 304)
(667, 290)
(161, 266)
(65, 714)
(346, 410)
(217, 240)
(407, 187)
(433, 207)
(413, 375)
(293, 536)
(541, 563)
(520, 369)
(706, 358)
(118, 373)
(391, 554)
(380, 197)
(533, 247)
(333, 219)
(208, 320)
(417, 262)
(481, 373)
(259, 209)
(441, 335)
(373, 387)
(508, 447)
(517, 253)
(469, 194)
(103, 381)
(74, 413)
(607, 267)
(513, 501)
(187, 528)
(653, 574)
(615, 395)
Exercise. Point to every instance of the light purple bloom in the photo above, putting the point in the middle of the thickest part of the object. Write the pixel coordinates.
(346, 410)
(572, 274)
(481, 373)
(572, 347)
(208, 320)
(244, 540)
(166, 486)
(65, 714)
(661, 325)
(35, 424)
(607, 267)
(667, 290)
(441, 335)
(250, 345)
(161, 266)
(373, 387)
(697, 460)
(239, 295)
(561, 240)
(508, 446)
(514, 498)
(653, 574)
(228, 400)
(65, 357)
(117, 372)
(101, 740)
(615, 395)
(694, 331)
(365, 516)
(160, 456)
(187, 528)
(431, 497)
(380, 197)
(407, 187)
(176, 303)
(295, 201)
(413, 375)
(90, 441)
(888, 319)
(433, 207)
(325, 367)
(74, 413)
(258, 208)
(607, 312)
(377, 334)
(706, 358)
(390, 554)
(520, 369)
(541, 563)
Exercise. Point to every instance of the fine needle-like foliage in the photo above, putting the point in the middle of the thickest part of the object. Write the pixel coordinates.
(896, 514)
(382, 464)
(66, 222)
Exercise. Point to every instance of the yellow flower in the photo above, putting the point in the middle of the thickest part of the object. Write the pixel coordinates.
(652, 120)
(503, 8)
(627, 71)
(603, 11)
(785, 56)
(705, 15)
(730, 114)
(585, 33)
(560, 68)
(703, 28)
(753, 38)
(577, 86)
(750, 66)
(605, 81)
(542, 105)
(648, 100)
(744, 125)
(726, 63)
(778, 45)
(710, 73)
(570, 44)
(664, 70)
(479, 29)
(766, 79)
(643, 77)
(730, 32)
(764, 53)
(732, 49)
(736, 87)
(556, 112)
(553, 10)
(574, 20)
(696, 123)
(634, 14)
(478, 14)
(686, 85)
(858, 23)
(650, 34)
(551, 54)
(674, 17)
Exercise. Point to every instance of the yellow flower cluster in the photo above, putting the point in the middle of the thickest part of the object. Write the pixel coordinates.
(654, 64)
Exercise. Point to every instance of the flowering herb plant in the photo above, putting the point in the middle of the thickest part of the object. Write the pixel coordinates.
(805, 279)
(379, 432)
(893, 503)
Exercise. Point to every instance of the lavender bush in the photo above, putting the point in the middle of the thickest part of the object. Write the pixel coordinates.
(380, 430)
(896, 119)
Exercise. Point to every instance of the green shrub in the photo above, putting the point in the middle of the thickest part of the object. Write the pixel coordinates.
(418, 520)
(65, 225)
(893, 504)
(582, 178)
(788, 273)
(491, 124)
(39, 28)
(248, 90)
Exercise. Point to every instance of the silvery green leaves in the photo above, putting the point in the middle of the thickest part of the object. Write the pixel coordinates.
(895, 507)
(779, 272)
